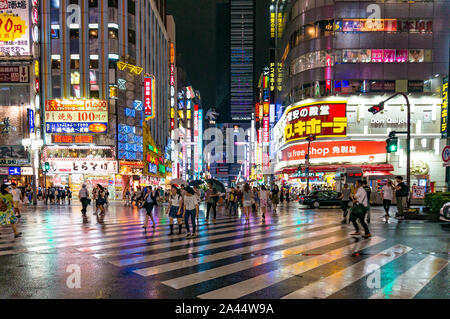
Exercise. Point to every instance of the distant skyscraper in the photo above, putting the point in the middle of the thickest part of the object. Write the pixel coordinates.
(242, 44)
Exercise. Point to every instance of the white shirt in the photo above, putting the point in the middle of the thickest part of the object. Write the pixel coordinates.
(361, 196)
(16, 194)
(388, 192)
(175, 200)
(190, 202)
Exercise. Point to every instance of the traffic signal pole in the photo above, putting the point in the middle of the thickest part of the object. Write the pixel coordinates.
(380, 107)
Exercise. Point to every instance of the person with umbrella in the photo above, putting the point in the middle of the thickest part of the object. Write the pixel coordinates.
(174, 209)
(212, 197)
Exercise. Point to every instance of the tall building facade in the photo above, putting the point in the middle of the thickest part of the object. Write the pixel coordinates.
(340, 58)
(104, 71)
(242, 56)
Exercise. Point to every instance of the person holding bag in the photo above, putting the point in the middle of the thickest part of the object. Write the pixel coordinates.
(150, 200)
(359, 210)
(7, 216)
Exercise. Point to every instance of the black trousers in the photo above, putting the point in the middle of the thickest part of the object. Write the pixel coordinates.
(84, 204)
(362, 222)
(344, 207)
(386, 205)
(214, 208)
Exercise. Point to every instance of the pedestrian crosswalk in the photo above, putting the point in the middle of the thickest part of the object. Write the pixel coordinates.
(291, 257)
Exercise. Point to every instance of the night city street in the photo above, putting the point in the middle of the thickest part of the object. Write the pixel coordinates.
(224, 158)
(300, 253)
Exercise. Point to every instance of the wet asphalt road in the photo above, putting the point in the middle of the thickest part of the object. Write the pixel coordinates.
(299, 253)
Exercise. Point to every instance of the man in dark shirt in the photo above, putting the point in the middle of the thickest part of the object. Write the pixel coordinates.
(368, 191)
(401, 193)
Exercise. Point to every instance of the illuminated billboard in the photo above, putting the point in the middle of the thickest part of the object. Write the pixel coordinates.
(15, 28)
(76, 116)
(149, 97)
(322, 119)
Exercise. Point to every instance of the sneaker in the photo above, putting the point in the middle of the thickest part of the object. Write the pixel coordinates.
(194, 235)
(188, 235)
(367, 236)
(18, 235)
(355, 233)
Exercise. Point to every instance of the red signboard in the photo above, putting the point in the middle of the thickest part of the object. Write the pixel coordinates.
(69, 139)
(76, 105)
(266, 129)
(149, 97)
(330, 149)
(322, 119)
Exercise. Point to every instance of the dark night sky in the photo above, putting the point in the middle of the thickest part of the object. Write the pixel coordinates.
(196, 42)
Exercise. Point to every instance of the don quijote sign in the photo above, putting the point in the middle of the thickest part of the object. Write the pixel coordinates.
(387, 122)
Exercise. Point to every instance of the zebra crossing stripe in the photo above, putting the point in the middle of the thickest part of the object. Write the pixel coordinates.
(326, 287)
(410, 283)
(266, 280)
(196, 249)
(217, 272)
(120, 252)
(229, 253)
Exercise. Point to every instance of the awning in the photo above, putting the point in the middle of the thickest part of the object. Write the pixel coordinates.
(334, 168)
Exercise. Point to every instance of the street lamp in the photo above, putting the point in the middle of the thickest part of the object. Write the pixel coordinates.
(380, 107)
(309, 139)
(34, 145)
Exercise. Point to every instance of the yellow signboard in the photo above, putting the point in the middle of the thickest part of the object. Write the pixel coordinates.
(11, 27)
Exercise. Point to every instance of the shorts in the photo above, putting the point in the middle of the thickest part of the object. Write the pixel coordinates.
(247, 203)
(16, 204)
(173, 212)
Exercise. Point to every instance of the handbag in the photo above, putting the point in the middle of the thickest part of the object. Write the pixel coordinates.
(3, 206)
(357, 211)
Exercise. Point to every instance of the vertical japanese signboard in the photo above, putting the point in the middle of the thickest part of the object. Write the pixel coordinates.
(15, 28)
(196, 139)
(149, 97)
(444, 109)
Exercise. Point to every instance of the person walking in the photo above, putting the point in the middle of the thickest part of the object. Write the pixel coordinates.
(101, 199)
(387, 195)
(263, 198)
(275, 198)
(401, 194)
(69, 195)
(345, 198)
(127, 196)
(174, 209)
(255, 204)
(7, 216)
(16, 196)
(212, 197)
(359, 210)
(83, 195)
(247, 200)
(190, 211)
(368, 191)
(150, 201)
(232, 202)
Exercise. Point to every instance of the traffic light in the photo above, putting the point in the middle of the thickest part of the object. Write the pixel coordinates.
(299, 169)
(46, 166)
(376, 108)
(392, 144)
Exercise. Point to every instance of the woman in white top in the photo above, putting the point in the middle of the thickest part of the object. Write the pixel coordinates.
(247, 197)
(360, 204)
(387, 194)
(190, 210)
(174, 209)
(263, 197)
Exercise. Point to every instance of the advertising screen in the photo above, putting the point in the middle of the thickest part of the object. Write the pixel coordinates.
(15, 28)
(76, 116)
(322, 119)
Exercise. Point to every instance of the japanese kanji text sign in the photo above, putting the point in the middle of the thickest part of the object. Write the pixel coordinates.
(14, 28)
(76, 116)
(444, 109)
(322, 119)
(83, 167)
(149, 97)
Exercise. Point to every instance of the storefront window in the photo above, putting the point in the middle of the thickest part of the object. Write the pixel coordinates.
(416, 55)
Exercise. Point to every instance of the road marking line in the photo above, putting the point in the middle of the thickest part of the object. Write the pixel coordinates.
(341, 279)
